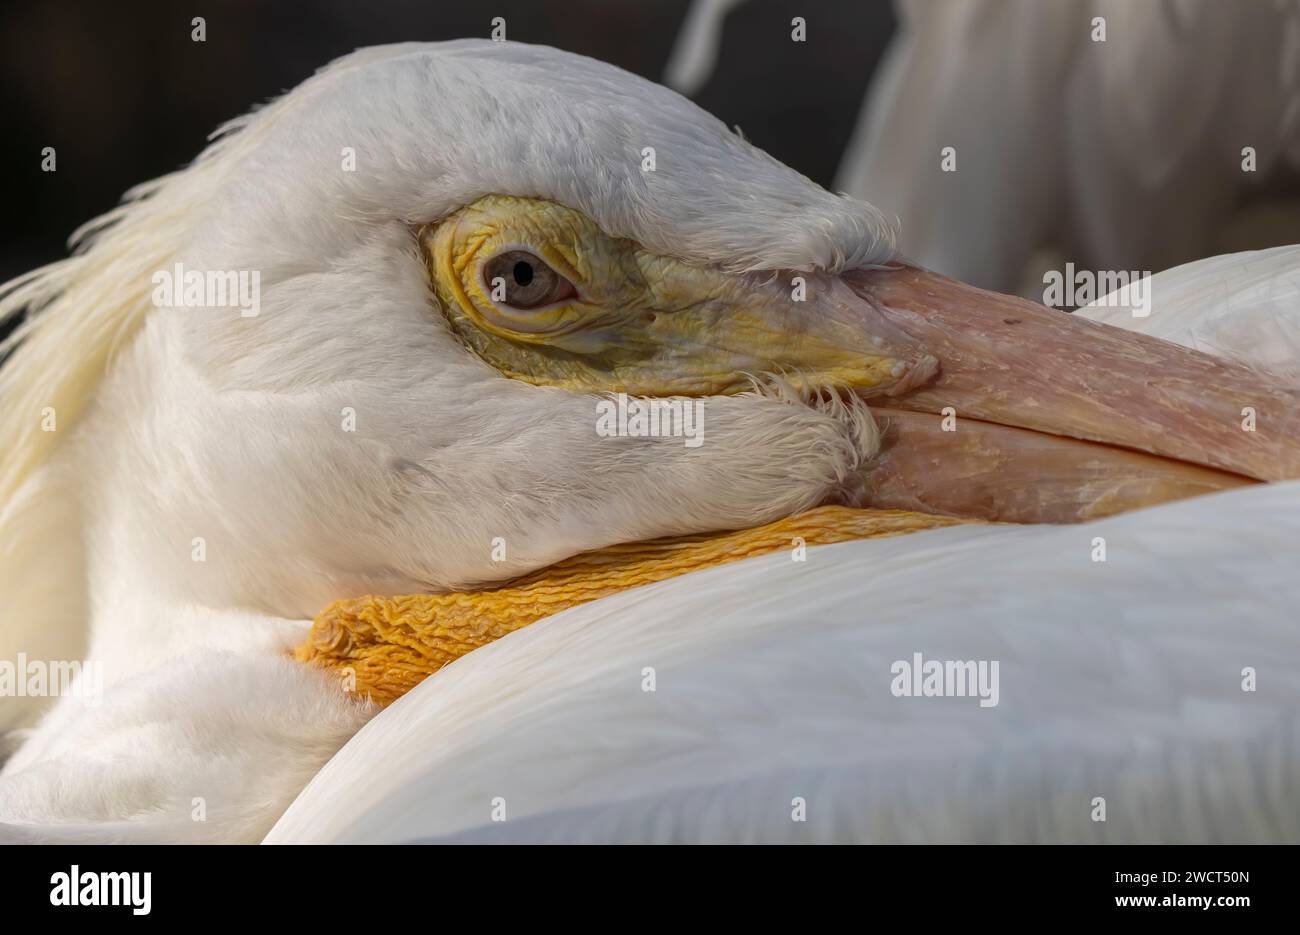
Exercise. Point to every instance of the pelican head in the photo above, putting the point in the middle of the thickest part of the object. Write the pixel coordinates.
(462, 249)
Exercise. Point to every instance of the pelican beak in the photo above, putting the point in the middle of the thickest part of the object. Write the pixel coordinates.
(1037, 415)
(992, 407)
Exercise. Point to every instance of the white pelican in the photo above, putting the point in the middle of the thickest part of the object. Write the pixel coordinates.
(462, 249)
(1113, 133)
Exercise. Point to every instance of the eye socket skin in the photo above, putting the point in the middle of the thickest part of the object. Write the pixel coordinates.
(587, 310)
(528, 281)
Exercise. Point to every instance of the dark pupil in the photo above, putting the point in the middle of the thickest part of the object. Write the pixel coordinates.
(523, 273)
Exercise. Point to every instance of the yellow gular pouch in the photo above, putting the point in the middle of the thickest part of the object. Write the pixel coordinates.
(543, 295)
(382, 647)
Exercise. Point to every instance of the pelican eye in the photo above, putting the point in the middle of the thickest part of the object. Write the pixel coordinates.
(521, 280)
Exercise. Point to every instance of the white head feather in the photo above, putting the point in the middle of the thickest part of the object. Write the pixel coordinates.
(180, 424)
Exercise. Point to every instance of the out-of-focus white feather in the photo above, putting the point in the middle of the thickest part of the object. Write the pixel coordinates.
(695, 51)
(1122, 153)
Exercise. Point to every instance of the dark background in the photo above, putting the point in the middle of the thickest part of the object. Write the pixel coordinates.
(123, 94)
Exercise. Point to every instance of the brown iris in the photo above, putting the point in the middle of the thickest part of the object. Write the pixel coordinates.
(522, 280)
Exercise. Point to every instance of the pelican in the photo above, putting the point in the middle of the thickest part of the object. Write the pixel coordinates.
(1146, 134)
(462, 250)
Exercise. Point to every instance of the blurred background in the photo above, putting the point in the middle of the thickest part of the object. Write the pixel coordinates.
(1008, 136)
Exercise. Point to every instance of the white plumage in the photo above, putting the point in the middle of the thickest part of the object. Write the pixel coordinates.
(1115, 146)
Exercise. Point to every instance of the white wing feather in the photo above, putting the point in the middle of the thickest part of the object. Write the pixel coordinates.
(1120, 680)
